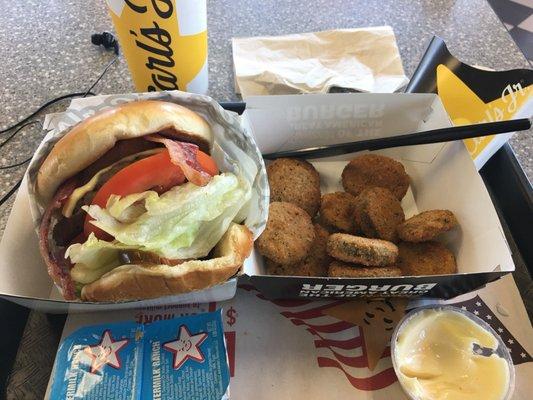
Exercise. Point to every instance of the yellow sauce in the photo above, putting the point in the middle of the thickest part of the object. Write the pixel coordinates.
(435, 358)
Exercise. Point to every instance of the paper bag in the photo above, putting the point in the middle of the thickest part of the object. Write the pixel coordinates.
(364, 59)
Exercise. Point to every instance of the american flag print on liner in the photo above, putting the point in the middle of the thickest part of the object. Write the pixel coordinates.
(339, 344)
(376, 319)
(481, 310)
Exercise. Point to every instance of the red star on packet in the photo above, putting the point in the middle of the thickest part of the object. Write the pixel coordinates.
(105, 352)
(186, 347)
(161, 360)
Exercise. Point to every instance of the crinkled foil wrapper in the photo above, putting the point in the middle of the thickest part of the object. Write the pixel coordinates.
(234, 147)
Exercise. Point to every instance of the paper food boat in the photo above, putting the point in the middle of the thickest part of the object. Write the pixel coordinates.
(443, 176)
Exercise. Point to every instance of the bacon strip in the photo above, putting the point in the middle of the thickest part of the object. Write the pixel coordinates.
(184, 155)
(54, 256)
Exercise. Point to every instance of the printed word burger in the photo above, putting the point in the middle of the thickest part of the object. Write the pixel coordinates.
(135, 206)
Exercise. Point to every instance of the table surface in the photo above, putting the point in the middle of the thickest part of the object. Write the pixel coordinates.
(46, 52)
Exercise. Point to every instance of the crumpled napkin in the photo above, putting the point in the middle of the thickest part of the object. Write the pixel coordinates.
(364, 59)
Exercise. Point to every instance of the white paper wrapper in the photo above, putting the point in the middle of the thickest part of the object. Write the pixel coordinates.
(234, 147)
(365, 59)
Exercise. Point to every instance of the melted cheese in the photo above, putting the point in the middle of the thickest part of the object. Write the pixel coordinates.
(435, 359)
(81, 191)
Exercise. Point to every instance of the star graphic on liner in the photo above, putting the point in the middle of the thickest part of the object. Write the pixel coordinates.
(105, 352)
(185, 347)
(519, 354)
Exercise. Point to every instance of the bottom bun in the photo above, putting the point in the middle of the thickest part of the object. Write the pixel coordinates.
(134, 282)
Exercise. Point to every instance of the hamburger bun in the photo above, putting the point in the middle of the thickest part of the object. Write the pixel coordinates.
(132, 282)
(89, 140)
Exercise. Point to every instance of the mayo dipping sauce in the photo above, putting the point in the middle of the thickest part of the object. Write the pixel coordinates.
(443, 353)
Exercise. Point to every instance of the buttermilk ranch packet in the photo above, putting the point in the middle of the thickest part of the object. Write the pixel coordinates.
(180, 358)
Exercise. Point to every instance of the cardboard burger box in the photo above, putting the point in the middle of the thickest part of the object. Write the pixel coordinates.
(442, 176)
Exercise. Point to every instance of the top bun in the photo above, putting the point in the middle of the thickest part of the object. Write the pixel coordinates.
(93, 137)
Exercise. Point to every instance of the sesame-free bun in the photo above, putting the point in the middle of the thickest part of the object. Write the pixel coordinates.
(133, 282)
(89, 140)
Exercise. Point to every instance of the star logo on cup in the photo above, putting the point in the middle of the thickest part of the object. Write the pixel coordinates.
(185, 347)
(105, 352)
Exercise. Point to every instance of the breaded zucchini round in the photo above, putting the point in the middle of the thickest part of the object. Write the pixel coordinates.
(426, 258)
(337, 211)
(315, 264)
(288, 235)
(427, 225)
(360, 250)
(370, 170)
(378, 213)
(294, 181)
(343, 270)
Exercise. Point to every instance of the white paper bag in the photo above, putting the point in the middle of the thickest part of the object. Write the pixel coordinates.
(364, 59)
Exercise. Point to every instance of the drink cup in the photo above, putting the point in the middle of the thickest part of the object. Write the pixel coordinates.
(164, 42)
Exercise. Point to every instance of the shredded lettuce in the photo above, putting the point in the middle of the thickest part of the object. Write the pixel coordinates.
(185, 222)
(94, 258)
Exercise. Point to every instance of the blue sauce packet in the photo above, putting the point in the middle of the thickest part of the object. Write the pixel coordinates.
(180, 358)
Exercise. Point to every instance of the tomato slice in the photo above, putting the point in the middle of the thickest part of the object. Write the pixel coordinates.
(156, 172)
(207, 163)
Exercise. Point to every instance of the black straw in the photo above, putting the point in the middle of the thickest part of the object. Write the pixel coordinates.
(433, 136)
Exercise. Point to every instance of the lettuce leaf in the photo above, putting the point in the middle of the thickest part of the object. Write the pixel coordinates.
(94, 258)
(185, 222)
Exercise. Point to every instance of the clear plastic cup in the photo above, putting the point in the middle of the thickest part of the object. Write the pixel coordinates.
(501, 351)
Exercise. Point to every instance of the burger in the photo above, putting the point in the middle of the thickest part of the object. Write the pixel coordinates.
(135, 206)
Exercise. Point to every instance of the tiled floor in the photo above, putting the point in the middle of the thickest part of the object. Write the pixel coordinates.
(517, 16)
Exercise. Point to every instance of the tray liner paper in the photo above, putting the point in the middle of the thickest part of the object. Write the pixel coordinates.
(318, 349)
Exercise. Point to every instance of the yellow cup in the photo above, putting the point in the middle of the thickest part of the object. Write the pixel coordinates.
(164, 42)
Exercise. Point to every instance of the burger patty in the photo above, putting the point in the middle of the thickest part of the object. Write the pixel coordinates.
(66, 230)
(122, 148)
